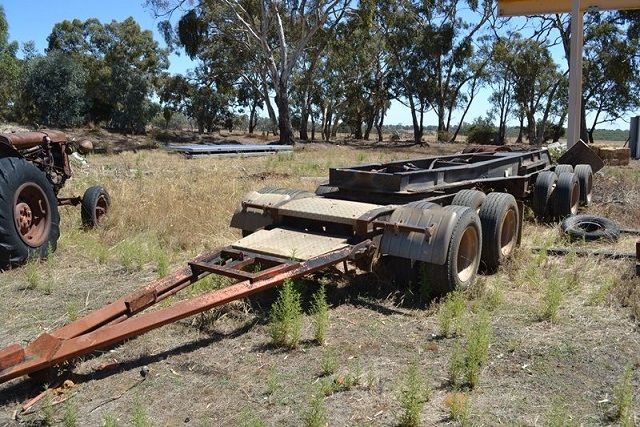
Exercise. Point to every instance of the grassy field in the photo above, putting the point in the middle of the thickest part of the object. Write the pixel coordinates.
(545, 341)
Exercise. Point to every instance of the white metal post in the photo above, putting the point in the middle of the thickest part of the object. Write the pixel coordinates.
(575, 74)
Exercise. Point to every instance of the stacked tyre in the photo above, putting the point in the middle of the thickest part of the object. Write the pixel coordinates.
(558, 194)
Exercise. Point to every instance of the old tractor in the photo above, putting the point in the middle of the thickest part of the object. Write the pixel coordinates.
(34, 166)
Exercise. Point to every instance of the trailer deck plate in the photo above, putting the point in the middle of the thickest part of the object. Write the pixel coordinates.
(290, 244)
(327, 210)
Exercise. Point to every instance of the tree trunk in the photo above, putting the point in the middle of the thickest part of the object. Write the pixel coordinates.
(521, 130)
(270, 110)
(357, 128)
(284, 118)
(313, 127)
(380, 123)
(367, 130)
(304, 116)
(417, 129)
(252, 118)
(531, 128)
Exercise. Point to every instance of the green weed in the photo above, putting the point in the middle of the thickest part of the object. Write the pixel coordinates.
(70, 418)
(412, 396)
(316, 413)
(477, 351)
(329, 363)
(456, 366)
(623, 398)
(600, 295)
(338, 383)
(109, 420)
(249, 419)
(285, 322)
(73, 311)
(450, 314)
(320, 313)
(273, 382)
(551, 299)
(140, 418)
(32, 272)
(162, 264)
(48, 411)
(558, 416)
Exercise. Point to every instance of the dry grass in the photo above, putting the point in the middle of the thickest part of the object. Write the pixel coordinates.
(166, 209)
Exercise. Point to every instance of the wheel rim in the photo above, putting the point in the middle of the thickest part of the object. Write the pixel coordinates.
(508, 233)
(102, 205)
(32, 214)
(575, 198)
(467, 254)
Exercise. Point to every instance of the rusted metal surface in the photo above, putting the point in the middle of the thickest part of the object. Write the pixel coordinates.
(580, 153)
(116, 322)
(25, 140)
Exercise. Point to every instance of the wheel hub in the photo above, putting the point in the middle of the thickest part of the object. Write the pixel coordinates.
(31, 214)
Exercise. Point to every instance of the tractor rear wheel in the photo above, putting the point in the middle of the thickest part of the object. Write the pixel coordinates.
(29, 218)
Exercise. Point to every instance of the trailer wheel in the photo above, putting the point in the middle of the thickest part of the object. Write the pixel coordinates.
(94, 207)
(567, 197)
(29, 218)
(585, 178)
(463, 255)
(563, 169)
(470, 198)
(543, 193)
(500, 226)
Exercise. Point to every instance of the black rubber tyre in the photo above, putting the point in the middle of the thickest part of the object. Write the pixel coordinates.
(543, 194)
(423, 204)
(470, 198)
(500, 221)
(563, 169)
(567, 195)
(590, 227)
(585, 178)
(29, 218)
(94, 207)
(463, 255)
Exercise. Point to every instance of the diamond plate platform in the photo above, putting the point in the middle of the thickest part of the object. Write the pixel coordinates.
(290, 244)
(327, 210)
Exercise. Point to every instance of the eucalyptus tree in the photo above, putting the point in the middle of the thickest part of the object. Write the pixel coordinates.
(9, 68)
(124, 64)
(276, 32)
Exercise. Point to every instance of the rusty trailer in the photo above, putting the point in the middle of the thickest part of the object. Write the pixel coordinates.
(446, 216)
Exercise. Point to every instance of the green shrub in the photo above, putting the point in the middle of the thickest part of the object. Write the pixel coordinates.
(623, 398)
(459, 408)
(320, 313)
(413, 394)
(316, 413)
(551, 299)
(286, 317)
(481, 132)
(450, 314)
(478, 341)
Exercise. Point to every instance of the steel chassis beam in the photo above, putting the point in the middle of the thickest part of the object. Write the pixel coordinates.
(124, 318)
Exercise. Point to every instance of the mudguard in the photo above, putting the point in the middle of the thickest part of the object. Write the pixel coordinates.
(430, 246)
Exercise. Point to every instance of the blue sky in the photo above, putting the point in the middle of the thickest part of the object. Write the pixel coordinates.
(34, 19)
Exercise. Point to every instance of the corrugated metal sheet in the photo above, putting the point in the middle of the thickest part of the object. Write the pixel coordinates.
(290, 244)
